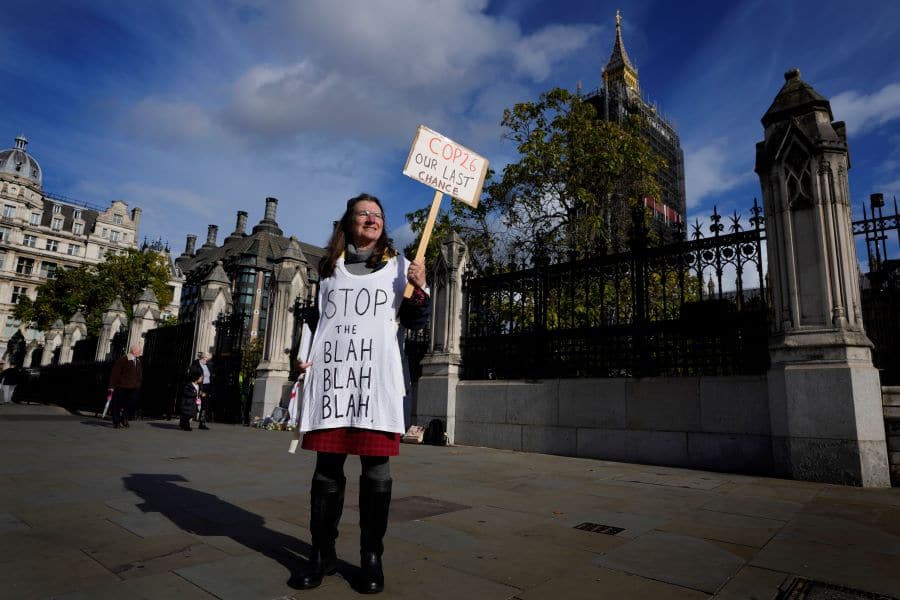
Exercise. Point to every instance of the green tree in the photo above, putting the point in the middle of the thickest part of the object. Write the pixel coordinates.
(575, 190)
(92, 288)
(473, 225)
(578, 182)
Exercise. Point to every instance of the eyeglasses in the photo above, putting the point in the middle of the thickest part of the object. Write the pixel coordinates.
(369, 213)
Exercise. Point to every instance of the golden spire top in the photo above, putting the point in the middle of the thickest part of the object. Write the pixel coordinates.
(619, 68)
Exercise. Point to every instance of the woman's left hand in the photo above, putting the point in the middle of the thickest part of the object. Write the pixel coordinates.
(416, 273)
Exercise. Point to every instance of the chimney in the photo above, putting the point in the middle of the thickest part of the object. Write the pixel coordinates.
(211, 234)
(240, 227)
(271, 207)
(268, 223)
(191, 243)
(136, 220)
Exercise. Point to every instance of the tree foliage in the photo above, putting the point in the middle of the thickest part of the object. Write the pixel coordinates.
(92, 288)
(576, 189)
(579, 180)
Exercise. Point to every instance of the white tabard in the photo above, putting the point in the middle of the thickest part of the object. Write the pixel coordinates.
(356, 377)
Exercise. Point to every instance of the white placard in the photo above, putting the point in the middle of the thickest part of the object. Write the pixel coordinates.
(440, 163)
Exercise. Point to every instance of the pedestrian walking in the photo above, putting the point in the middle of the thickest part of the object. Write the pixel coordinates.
(190, 396)
(125, 386)
(205, 398)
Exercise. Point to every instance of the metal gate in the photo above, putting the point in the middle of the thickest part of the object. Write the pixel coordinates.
(166, 358)
(225, 400)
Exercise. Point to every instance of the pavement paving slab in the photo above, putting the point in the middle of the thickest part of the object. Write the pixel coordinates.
(163, 586)
(590, 584)
(753, 583)
(676, 559)
(154, 512)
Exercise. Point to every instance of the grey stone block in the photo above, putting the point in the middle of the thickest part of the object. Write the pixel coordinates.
(670, 404)
(481, 402)
(607, 444)
(658, 447)
(549, 440)
(533, 403)
(734, 405)
(492, 435)
(730, 452)
(599, 403)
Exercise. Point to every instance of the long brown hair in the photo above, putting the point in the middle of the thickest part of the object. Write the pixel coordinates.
(342, 232)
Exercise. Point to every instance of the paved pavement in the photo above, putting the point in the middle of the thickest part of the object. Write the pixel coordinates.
(87, 511)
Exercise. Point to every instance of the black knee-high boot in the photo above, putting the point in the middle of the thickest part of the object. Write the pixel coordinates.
(326, 506)
(374, 506)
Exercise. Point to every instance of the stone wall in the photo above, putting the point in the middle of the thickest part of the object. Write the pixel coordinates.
(718, 423)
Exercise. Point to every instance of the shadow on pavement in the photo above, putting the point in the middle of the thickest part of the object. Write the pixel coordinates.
(163, 425)
(205, 514)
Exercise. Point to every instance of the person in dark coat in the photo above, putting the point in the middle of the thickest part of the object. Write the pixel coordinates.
(189, 396)
(202, 363)
(125, 386)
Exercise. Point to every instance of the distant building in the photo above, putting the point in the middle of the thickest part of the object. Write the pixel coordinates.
(618, 99)
(41, 232)
(244, 263)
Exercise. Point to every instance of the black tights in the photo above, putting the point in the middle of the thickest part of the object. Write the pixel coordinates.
(330, 467)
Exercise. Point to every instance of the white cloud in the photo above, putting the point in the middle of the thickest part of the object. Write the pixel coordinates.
(402, 236)
(863, 112)
(535, 55)
(711, 169)
(164, 121)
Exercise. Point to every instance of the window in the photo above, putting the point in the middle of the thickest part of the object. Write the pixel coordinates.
(9, 210)
(56, 225)
(77, 214)
(29, 240)
(74, 250)
(2, 260)
(114, 235)
(56, 209)
(105, 233)
(52, 245)
(117, 219)
(4, 234)
(48, 270)
(35, 219)
(77, 228)
(18, 292)
(25, 266)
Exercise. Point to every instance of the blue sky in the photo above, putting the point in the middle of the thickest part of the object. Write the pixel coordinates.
(195, 110)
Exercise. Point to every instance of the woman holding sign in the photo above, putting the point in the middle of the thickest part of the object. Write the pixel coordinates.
(353, 393)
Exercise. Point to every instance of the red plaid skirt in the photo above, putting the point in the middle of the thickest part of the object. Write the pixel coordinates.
(350, 440)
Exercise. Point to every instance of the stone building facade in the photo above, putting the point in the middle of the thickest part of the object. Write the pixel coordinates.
(41, 232)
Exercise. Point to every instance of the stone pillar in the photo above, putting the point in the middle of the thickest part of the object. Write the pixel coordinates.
(52, 341)
(113, 319)
(75, 331)
(29, 352)
(436, 391)
(145, 317)
(215, 299)
(288, 282)
(824, 393)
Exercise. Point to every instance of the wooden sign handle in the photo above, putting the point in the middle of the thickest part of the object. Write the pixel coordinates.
(426, 235)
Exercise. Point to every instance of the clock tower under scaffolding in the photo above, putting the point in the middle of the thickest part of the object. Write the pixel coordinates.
(619, 98)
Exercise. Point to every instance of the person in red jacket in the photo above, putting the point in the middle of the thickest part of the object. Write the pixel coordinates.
(125, 386)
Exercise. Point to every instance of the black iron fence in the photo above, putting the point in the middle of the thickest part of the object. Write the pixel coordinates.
(881, 287)
(693, 308)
